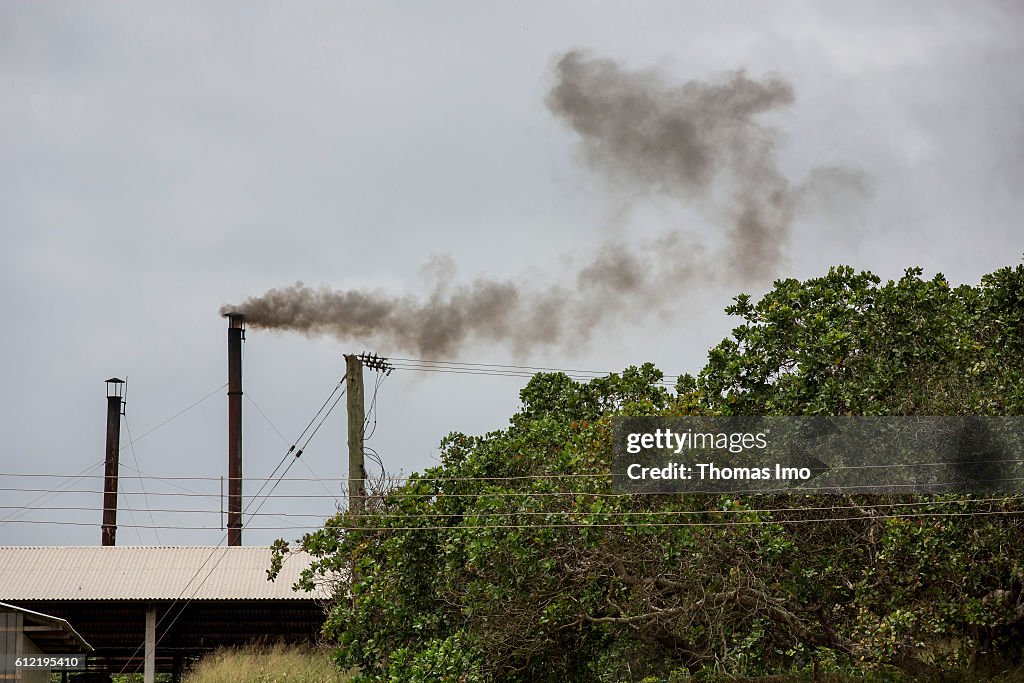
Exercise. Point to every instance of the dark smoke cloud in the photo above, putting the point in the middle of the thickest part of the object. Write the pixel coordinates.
(617, 280)
(698, 143)
(691, 142)
(435, 327)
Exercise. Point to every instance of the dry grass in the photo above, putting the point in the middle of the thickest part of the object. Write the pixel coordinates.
(267, 664)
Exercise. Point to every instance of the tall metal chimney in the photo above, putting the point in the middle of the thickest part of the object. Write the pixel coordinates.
(115, 396)
(236, 334)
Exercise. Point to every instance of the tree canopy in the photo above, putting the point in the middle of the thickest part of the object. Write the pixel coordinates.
(513, 561)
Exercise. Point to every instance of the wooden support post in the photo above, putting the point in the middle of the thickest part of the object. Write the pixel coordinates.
(149, 675)
(356, 424)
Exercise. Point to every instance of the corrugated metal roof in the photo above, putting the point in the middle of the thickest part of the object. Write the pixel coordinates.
(146, 573)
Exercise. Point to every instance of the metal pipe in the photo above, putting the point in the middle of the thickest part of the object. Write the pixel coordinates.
(110, 470)
(236, 334)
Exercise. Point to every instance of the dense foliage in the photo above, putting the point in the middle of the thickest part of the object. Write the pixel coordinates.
(511, 562)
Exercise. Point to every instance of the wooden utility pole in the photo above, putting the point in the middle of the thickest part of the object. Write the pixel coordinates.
(356, 423)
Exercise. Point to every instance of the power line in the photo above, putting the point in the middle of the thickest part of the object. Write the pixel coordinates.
(131, 443)
(378, 381)
(256, 512)
(248, 397)
(316, 477)
(258, 508)
(291, 449)
(690, 524)
(299, 453)
(587, 525)
(614, 513)
(456, 364)
(75, 508)
(496, 478)
(175, 416)
(510, 373)
(224, 537)
(802, 491)
(170, 481)
(48, 493)
(131, 516)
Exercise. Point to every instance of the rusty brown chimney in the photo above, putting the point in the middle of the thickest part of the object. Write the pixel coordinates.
(236, 334)
(115, 397)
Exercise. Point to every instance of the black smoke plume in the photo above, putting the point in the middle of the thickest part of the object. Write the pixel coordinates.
(698, 142)
(692, 142)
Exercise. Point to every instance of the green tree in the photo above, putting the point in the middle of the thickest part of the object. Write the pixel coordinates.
(511, 561)
(844, 344)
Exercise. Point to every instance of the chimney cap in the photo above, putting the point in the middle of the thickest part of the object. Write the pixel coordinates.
(115, 387)
(236, 320)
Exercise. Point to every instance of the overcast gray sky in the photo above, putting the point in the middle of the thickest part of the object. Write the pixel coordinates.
(159, 160)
